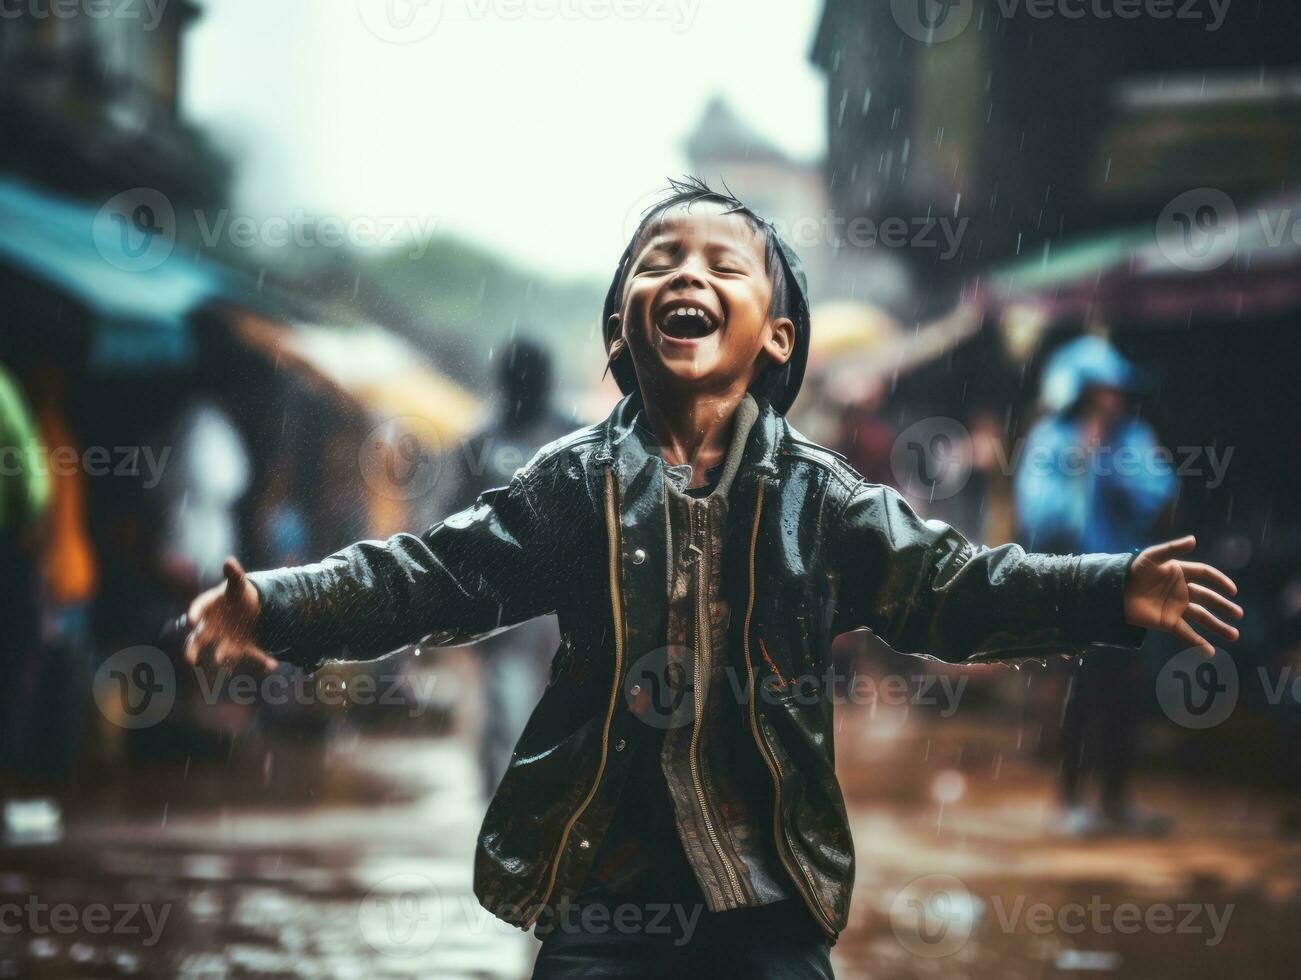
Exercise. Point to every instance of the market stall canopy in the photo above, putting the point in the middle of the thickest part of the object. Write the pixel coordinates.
(372, 369)
(1203, 259)
(856, 346)
(137, 299)
(845, 327)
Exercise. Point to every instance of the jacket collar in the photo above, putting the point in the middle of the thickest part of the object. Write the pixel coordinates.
(624, 447)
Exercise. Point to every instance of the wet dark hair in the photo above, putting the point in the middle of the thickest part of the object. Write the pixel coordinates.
(693, 190)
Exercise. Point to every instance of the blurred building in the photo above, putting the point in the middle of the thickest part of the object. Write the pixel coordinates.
(91, 104)
(1116, 172)
(1041, 128)
(222, 399)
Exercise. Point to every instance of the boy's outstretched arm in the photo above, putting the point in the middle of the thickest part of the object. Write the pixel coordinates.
(481, 570)
(924, 588)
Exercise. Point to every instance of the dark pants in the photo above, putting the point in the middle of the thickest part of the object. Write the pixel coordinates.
(608, 938)
(1098, 727)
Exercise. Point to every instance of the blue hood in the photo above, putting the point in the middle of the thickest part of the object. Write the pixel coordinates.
(1080, 363)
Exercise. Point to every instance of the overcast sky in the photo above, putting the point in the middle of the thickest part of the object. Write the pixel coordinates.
(533, 134)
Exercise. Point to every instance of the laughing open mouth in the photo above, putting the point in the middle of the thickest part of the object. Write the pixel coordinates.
(683, 321)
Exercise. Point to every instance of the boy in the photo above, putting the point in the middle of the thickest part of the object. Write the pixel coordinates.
(693, 535)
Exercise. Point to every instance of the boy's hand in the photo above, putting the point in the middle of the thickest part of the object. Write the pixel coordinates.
(223, 623)
(1164, 593)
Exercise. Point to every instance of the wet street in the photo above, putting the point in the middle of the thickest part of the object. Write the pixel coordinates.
(354, 860)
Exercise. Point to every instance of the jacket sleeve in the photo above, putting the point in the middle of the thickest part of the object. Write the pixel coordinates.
(925, 589)
(479, 571)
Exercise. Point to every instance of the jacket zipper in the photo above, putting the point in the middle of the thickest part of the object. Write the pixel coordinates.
(616, 603)
(703, 665)
(802, 880)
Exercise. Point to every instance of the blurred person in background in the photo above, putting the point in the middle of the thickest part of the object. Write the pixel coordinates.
(70, 576)
(202, 485)
(514, 663)
(283, 530)
(24, 501)
(866, 437)
(1092, 479)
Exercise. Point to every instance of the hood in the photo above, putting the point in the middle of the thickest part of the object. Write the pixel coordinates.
(791, 376)
(1082, 362)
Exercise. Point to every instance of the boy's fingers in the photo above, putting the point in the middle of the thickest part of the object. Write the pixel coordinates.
(198, 606)
(1168, 549)
(234, 573)
(263, 659)
(1196, 571)
(1213, 600)
(196, 641)
(1202, 617)
(204, 648)
(1191, 637)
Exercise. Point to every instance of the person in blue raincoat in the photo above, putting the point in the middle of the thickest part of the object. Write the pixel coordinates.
(1093, 478)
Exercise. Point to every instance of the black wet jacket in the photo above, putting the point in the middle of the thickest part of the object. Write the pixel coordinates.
(810, 550)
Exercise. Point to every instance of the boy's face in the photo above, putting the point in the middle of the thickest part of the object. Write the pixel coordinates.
(694, 314)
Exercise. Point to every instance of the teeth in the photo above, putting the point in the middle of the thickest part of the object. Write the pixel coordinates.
(691, 311)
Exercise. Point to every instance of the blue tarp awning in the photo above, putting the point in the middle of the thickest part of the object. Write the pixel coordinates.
(138, 290)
